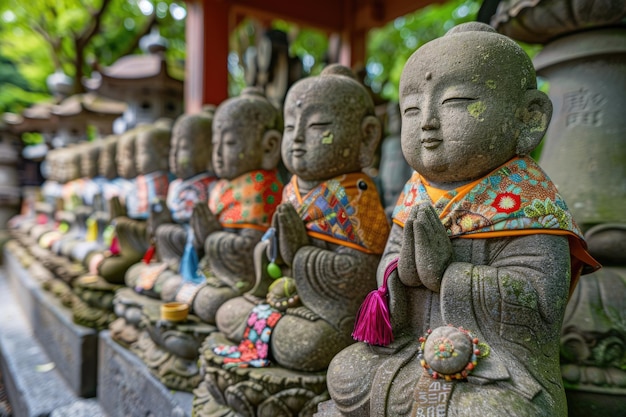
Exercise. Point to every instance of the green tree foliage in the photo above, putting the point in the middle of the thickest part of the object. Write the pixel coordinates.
(389, 47)
(15, 92)
(40, 37)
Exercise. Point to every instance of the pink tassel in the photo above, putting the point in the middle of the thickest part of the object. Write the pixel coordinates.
(373, 325)
(115, 246)
(147, 257)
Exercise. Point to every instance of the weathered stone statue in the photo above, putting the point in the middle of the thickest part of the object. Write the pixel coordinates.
(45, 208)
(246, 151)
(483, 252)
(330, 231)
(150, 162)
(190, 162)
(65, 168)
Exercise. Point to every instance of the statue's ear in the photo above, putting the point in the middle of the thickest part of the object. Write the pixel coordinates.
(533, 118)
(371, 129)
(270, 146)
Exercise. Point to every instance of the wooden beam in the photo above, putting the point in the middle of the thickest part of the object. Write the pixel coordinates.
(322, 14)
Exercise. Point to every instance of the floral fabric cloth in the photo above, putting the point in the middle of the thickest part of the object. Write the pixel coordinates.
(183, 195)
(516, 198)
(150, 188)
(248, 201)
(345, 210)
(253, 350)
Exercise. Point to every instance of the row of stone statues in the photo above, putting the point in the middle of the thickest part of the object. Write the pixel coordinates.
(249, 288)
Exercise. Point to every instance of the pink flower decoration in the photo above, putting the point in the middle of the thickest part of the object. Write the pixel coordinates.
(252, 319)
(261, 349)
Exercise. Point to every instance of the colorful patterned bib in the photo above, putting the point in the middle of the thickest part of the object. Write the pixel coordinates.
(517, 198)
(150, 188)
(248, 201)
(345, 210)
(184, 194)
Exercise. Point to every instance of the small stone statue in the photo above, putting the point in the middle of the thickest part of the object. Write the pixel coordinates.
(67, 167)
(328, 235)
(190, 162)
(246, 151)
(483, 252)
(48, 202)
(150, 163)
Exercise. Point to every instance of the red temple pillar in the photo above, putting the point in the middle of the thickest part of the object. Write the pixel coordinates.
(206, 68)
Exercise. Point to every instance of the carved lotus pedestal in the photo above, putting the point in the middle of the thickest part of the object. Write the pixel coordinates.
(254, 392)
(93, 305)
(172, 352)
(133, 314)
(168, 344)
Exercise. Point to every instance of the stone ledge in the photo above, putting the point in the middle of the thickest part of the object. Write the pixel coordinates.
(81, 408)
(126, 386)
(71, 347)
(34, 385)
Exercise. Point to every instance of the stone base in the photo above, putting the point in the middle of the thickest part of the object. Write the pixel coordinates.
(71, 347)
(127, 388)
(254, 392)
(173, 372)
(34, 385)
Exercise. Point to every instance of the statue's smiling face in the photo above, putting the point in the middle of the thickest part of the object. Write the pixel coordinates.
(323, 135)
(236, 145)
(458, 111)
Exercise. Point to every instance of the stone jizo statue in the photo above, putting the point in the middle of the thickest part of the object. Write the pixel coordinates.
(483, 252)
(328, 235)
(246, 151)
(190, 162)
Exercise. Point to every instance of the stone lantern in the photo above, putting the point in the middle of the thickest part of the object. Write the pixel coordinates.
(584, 62)
(76, 113)
(144, 83)
(35, 119)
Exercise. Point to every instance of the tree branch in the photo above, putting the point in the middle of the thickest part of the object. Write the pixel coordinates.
(140, 34)
(92, 29)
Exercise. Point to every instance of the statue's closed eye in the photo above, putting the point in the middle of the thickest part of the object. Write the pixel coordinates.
(452, 100)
